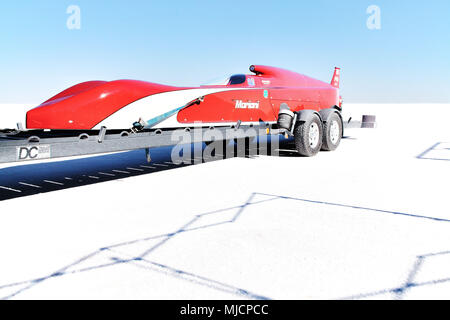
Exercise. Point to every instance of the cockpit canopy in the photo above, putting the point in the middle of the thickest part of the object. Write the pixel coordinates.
(237, 79)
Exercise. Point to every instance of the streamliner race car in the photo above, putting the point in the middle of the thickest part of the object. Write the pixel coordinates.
(287, 102)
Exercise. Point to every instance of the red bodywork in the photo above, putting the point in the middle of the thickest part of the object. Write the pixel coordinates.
(86, 105)
(299, 92)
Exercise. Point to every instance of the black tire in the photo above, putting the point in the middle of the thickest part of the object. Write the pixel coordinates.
(330, 140)
(302, 136)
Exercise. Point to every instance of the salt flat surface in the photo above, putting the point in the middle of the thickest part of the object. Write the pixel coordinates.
(368, 221)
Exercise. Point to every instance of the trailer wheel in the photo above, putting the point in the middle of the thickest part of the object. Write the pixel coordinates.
(308, 136)
(332, 132)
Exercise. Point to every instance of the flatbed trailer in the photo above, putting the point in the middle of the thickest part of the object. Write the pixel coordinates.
(18, 146)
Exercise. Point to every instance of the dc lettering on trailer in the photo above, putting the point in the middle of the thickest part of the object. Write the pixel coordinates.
(33, 152)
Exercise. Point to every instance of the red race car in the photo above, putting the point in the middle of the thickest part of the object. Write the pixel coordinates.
(288, 101)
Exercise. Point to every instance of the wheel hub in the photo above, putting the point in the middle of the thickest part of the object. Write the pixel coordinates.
(314, 135)
(334, 132)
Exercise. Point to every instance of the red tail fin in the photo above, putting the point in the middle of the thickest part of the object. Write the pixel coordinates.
(336, 77)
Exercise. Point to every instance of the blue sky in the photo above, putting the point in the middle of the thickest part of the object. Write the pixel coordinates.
(192, 42)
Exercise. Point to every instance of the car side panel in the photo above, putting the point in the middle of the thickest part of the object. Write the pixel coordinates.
(231, 106)
(304, 98)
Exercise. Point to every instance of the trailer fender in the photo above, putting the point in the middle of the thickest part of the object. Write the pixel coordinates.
(303, 115)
